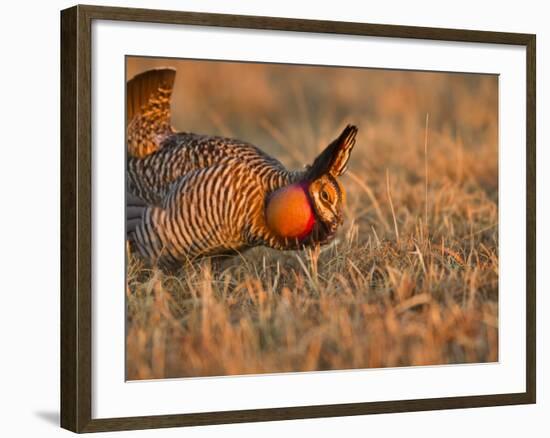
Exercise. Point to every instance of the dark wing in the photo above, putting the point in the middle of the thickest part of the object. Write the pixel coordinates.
(148, 111)
(150, 178)
(334, 158)
(199, 216)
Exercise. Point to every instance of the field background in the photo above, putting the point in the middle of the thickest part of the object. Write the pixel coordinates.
(412, 277)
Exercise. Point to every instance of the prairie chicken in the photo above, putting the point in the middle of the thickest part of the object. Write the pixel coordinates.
(191, 195)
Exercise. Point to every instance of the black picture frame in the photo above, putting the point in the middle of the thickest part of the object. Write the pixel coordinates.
(76, 225)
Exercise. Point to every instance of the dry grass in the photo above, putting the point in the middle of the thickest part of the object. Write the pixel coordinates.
(412, 278)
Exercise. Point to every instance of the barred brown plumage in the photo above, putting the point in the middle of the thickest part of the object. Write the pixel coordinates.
(191, 195)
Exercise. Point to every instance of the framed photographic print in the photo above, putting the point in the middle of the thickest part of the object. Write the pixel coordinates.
(304, 218)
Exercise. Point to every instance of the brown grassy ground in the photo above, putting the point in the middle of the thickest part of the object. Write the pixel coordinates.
(412, 278)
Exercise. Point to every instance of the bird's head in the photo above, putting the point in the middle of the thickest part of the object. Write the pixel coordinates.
(312, 209)
(328, 198)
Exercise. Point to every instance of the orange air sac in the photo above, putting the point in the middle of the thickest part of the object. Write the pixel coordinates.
(289, 212)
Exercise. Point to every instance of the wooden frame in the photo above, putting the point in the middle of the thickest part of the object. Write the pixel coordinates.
(76, 174)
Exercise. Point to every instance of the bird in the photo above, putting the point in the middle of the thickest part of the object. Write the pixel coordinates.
(190, 196)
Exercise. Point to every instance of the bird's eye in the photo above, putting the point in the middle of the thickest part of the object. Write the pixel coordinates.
(324, 195)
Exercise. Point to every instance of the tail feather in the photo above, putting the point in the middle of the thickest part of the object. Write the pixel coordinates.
(148, 110)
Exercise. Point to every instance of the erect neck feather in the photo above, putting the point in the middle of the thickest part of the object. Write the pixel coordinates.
(289, 212)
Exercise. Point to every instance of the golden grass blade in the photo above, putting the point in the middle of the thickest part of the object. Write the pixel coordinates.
(388, 191)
